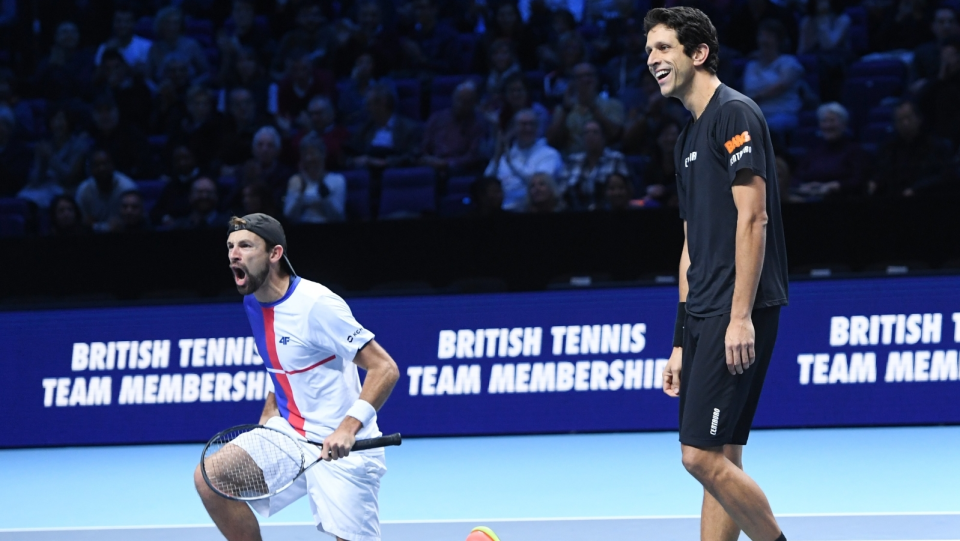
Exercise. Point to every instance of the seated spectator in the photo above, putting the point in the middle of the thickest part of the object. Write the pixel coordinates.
(126, 144)
(266, 152)
(451, 139)
(65, 217)
(507, 26)
(913, 161)
(515, 162)
(173, 202)
(825, 32)
(373, 37)
(906, 27)
(134, 49)
(68, 71)
(773, 81)
(563, 41)
(14, 156)
(503, 63)
(939, 96)
(258, 197)
(323, 127)
(312, 34)
(661, 172)
(745, 23)
(313, 194)
(486, 197)
(626, 72)
(618, 193)
(203, 207)
(131, 218)
(58, 162)
(99, 196)
(387, 139)
(514, 98)
(241, 124)
(353, 92)
(926, 57)
(588, 170)
(170, 106)
(572, 52)
(645, 122)
(583, 103)
(133, 97)
(247, 72)
(836, 165)
(168, 27)
(544, 195)
(241, 30)
(200, 129)
(433, 46)
(295, 90)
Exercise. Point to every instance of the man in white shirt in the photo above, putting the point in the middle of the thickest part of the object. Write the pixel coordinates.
(311, 345)
(528, 155)
(132, 47)
(99, 196)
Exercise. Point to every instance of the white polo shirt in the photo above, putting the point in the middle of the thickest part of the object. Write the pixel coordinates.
(518, 165)
(308, 340)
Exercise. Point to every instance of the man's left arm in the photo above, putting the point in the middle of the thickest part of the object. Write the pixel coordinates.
(382, 375)
(750, 198)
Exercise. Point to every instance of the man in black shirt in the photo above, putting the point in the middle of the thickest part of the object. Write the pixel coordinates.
(733, 271)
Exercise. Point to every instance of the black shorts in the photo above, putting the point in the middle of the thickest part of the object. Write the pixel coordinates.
(717, 407)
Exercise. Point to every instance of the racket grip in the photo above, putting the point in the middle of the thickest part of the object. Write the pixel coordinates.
(373, 443)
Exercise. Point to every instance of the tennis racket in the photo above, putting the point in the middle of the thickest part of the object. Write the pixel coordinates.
(253, 462)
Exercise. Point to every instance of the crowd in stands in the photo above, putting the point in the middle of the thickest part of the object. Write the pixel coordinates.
(121, 115)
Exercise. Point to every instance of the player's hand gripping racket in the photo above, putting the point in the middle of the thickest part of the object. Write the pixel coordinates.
(253, 462)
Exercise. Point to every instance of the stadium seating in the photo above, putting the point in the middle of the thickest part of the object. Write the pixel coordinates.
(408, 98)
(460, 185)
(358, 194)
(441, 90)
(150, 191)
(407, 192)
(860, 94)
(12, 225)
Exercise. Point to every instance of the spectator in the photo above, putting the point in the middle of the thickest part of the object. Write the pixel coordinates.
(661, 172)
(302, 83)
(246, 71)
(128, 89)
(913, 161)
(583, 103)
(239, 128)
(313, 194)
(515, 163)
(353, 91)
(131, 218)
(173, 201)
(507, 26)
(564, 40)
(134, 49)
(168, 27)
(514, 98)
(926, 57)
(433, 47)
(939, 96)
(65, 217)
(544, 195)
(258, 197)
(836, 165)
(311, 34)
(589, 169)
(266, 152)
(556, 84)
(99, 196)
(58, 162)
(241, 30)
(386, 139)
(904, 28)
(745, 23)
(451, 139)
(646, 121)
(773, 81)
(825, 32)
(200, 129)
(170, 107)
(486, 196)
(323, 127)
(618, 192)
(203, 200)
(14, 156)
(503, 63)
(372, 38)
(68, 71)
(626, 71)
(125, 143)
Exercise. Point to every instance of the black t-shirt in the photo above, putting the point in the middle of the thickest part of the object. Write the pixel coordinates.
(730, 135)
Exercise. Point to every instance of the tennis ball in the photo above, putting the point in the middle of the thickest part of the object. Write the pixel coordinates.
(482, 533)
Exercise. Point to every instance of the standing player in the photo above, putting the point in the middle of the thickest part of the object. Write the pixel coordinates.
(311, 345)
(733, 272)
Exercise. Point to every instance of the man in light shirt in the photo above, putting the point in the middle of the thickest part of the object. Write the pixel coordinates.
(515, 164)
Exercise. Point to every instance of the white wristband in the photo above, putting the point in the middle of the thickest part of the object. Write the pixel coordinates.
(362, 411)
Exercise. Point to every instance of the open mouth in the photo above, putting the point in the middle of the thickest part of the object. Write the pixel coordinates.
(661, 74)
(239, 276)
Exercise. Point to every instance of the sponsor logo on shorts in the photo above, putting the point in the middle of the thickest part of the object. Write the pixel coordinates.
(715, 422)
(737, 141)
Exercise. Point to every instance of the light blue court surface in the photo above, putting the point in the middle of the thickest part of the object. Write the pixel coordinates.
(850, 484)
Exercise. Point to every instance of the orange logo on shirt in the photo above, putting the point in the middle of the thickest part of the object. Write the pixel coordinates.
(737, 141)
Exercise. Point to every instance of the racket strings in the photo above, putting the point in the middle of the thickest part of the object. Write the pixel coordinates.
(252, 463)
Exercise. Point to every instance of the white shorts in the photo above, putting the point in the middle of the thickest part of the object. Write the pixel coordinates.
(343, 493)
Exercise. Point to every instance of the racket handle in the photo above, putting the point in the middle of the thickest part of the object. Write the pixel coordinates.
(373, 443)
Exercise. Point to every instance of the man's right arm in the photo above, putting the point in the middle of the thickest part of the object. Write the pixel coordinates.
(270, 408)
(671, 373)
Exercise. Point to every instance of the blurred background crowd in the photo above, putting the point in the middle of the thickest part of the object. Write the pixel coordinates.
(155, 115)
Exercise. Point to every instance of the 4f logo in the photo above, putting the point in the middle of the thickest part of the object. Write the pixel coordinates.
(284, 340)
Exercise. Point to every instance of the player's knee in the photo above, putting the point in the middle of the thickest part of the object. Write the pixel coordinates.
(696, 462)
(198, 482)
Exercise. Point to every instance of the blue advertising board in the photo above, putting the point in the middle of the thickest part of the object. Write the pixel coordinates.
(849, 353)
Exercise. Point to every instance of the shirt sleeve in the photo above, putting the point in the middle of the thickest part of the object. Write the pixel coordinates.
(740, 137)
(333, 328)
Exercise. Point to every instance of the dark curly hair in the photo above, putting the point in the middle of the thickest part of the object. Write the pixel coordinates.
(693, 28)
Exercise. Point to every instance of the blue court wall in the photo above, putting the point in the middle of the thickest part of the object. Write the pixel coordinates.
(863, 352)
